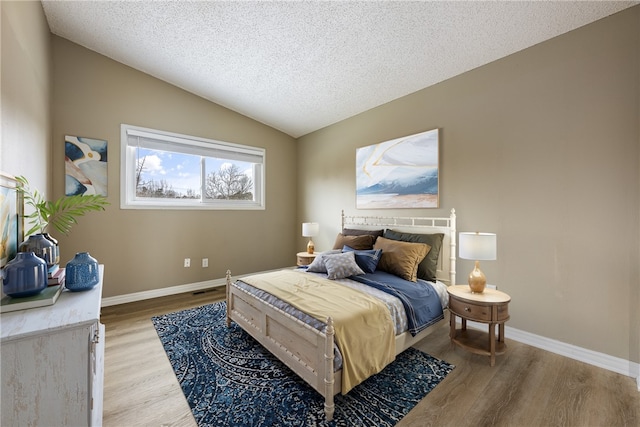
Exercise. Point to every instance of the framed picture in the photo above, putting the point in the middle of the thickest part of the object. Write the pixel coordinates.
(400, 173)
(11, 226)
(85, 165)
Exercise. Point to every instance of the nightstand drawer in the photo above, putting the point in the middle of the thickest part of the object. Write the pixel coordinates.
(470, 310)
(304, 258)
(503, 312)
(490, 307)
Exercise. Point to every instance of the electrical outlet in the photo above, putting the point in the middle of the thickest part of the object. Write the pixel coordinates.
(205, 262)
(187, 262)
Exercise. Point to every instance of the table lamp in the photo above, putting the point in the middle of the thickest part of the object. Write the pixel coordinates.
(310, 229)
(478, 247)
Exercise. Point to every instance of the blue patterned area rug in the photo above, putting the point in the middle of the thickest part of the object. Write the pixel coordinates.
(229, 379)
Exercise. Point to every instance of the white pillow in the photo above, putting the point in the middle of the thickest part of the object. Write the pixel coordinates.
(342, 265)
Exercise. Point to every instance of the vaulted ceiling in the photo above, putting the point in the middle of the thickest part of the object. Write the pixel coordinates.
(299, 66)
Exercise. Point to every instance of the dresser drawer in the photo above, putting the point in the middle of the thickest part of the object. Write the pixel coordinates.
(470, 310)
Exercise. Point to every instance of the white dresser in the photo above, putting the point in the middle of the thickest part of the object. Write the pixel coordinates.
(53, 362)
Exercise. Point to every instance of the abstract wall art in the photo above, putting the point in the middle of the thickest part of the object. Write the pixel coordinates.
(400, 173)
(85, 166)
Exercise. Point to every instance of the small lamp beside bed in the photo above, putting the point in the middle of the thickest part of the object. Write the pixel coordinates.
(478, 247)
(310, 229)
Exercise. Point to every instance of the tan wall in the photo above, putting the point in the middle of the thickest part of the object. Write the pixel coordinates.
(91, 96)
(555, 129)
(540, 147)
(145, 249)
(25, 147)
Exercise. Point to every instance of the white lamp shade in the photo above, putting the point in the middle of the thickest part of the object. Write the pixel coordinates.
(478, 246)
(310, 229)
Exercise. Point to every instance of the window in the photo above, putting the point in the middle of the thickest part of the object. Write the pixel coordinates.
(167, 170)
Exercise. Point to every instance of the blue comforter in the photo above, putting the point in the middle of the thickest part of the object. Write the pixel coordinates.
(420, 300)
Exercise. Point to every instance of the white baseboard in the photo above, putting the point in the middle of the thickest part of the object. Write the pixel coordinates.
(601, 360)
(171, 290)
(163, 292)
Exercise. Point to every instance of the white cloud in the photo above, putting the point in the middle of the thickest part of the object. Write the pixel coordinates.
(153, 165)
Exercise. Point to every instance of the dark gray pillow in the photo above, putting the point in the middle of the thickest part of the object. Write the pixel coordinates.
(428, 267)
(358, 232)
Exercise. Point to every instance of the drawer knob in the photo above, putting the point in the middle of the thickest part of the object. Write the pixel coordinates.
(467, 309)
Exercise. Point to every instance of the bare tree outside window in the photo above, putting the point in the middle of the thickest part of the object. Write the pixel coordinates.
(139, 169)
(229, 183)
(165, 170)
(159, 189)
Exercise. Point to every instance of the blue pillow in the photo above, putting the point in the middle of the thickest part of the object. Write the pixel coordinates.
(366, 259)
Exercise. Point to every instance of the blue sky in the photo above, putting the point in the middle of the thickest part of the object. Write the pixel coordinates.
(182, 171)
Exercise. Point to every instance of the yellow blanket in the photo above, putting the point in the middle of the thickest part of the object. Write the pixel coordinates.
(363, 325)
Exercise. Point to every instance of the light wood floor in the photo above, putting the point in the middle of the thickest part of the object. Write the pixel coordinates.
(527, 387)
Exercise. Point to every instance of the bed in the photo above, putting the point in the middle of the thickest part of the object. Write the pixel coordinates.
(308, 347)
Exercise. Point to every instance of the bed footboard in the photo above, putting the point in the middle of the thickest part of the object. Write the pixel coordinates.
(305, 350)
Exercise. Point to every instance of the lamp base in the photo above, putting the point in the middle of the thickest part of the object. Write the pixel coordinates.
(310, 247)
(477, 279)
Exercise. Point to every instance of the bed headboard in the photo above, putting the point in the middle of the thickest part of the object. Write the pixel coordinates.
(446, 272)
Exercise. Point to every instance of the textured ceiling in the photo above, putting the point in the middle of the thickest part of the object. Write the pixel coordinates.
(300, 66)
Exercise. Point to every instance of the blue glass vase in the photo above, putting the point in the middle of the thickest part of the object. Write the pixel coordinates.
(81, 273)
(42, 247)
(24, 276)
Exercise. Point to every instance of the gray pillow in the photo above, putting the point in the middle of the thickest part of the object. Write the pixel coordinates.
(318, 264)
(342, 265)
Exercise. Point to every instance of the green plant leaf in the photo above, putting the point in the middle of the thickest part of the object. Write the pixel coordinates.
(63, 212)
(60, 214)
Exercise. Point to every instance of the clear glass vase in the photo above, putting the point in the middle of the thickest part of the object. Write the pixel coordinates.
(42, 247)
(56, 252)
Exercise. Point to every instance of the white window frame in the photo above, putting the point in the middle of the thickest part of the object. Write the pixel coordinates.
(169, 141)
